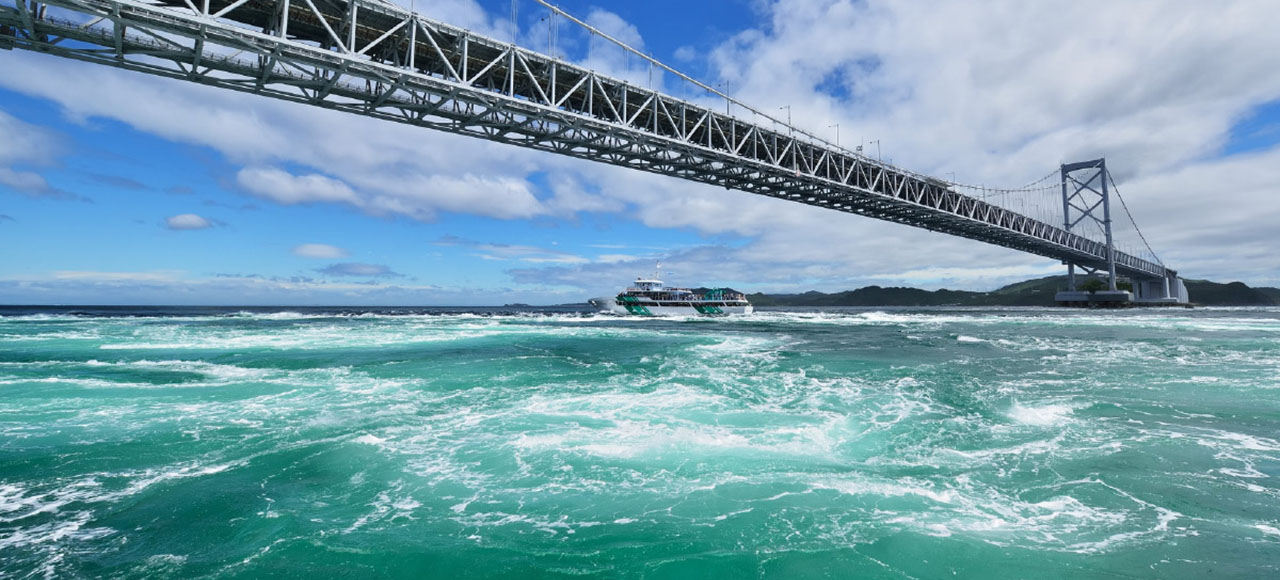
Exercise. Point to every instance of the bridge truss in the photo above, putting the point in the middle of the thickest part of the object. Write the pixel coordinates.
(380, 60)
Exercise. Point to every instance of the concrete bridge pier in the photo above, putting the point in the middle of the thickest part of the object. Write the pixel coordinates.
(1164, 291)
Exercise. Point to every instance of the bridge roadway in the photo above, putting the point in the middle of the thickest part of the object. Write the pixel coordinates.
(380, 60)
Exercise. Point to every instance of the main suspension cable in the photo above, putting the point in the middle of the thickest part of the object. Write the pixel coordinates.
(1131, 220)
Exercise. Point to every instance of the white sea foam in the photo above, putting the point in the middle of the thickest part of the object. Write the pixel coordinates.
(85, 382)
(1023, 317)
(282, 315)
(346, 334)
(370, 440)
(1230, 441)
(224, 372)
(68, 529)
(1043, 415)
(887, 488)
(630, 439)
(1268, 529)
(390, 504)
(56, 335)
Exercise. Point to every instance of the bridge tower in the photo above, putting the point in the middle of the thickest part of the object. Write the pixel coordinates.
(1087, 197)
(1086, 200)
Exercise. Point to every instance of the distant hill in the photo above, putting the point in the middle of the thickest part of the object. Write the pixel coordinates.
(1274, 293)
(1231, 294)
(1038, 292)
(870, 296)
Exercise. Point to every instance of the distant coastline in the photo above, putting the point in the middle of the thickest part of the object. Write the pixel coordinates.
(1038, 292)
(1034, 293)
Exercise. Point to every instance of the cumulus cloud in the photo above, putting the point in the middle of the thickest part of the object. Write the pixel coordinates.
(25, 144)
(612, 59)
(24, 181)
(187, 221)
(319, 251)
(517, 252)
(421, 196)
(909, 72)
(288, 189)
(1196, 216)
(467, 14)
(117, 277)
(416, 196)
(572, 196)
(164, 287)
(358, 269)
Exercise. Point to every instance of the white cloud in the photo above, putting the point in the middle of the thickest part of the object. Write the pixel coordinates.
(1149, 85)
(359, 269)
(466, 14)
(930, 275)
(521, 253)
(287, 189)
(613, 258)
(319, 251)
(117, 277)
(379, 167)
(416, 196)
(571, 197)
(1217, 219)
(187, 221)
(24, 181)
(421, 196)
(25, 144)
(163, 287)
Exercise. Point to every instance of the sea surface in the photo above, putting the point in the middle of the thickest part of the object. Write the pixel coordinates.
(559, 443)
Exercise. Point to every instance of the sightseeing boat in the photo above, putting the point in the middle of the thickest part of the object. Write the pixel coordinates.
(649, 297)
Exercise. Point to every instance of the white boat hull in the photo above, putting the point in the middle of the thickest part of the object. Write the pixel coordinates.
(612, 305)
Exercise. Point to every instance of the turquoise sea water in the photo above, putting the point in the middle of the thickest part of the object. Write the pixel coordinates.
(206, 443)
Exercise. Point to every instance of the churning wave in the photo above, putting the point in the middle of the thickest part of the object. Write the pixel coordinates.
(889, 443)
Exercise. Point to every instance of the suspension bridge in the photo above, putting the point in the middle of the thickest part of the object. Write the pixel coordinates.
(382, 60)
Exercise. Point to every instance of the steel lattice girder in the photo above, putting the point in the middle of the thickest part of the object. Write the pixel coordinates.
(380, 60)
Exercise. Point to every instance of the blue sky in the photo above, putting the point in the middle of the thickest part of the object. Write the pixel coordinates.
(146, 190)
(121, 185)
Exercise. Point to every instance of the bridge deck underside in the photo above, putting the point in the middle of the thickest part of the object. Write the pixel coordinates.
(379, 60)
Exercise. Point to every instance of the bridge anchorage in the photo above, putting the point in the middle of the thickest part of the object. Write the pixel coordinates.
(377, 59)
